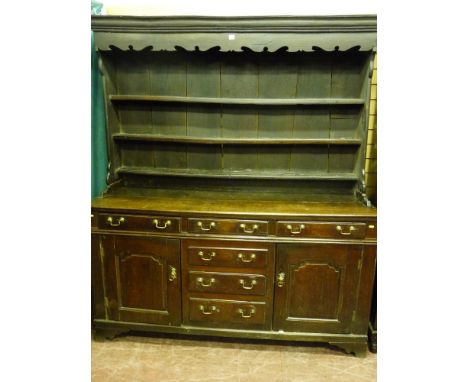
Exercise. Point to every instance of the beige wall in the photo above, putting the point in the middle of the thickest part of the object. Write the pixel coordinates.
(238, 7)
(371, 152)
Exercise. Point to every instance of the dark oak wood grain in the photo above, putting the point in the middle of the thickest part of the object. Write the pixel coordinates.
(142, 279)
(337, 230)
(235, 201)
(97, 286)
(236, 156)
(227, 313)
(227, 227)
(313, 287)
(150, 223)
(227, 283)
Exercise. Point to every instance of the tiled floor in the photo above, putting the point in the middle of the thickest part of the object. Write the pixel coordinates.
(176, 359)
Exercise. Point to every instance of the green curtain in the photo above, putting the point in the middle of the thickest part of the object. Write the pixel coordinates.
(98, 128)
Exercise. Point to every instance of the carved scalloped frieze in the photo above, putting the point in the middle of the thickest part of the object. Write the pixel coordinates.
(214, 49)
(236, 42)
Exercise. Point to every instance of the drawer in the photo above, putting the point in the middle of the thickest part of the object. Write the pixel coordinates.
(228, 227)
(218, 256)
(335, 230)
(228, 313)
(228, 283)
(126, 222)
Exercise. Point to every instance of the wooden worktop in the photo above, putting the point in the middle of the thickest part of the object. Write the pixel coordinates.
(226, 202)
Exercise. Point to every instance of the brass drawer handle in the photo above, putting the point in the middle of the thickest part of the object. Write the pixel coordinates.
(210, 255)
(110, 221)
(200, 225)
(295, 232)
(280, 279)
(201, 281)
(340, 230)
(212, 309)
(243, 315)
(244, 286)
(172, 273)
(244, 228)
(164, 226)
(242, 257)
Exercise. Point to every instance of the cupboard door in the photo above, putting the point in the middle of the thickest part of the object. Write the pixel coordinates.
(142, 279)
(316, 287)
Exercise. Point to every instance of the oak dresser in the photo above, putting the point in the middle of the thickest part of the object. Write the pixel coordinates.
(236, 200)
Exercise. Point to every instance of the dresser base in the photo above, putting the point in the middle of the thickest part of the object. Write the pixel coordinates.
(350, 343)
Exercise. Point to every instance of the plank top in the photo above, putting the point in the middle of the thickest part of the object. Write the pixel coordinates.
(176, 201)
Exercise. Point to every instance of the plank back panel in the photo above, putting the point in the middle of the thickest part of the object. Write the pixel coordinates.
(314, 76)
(311, 122)
(241, 75)
(203, 80)
(135, 154)
(239, 79)
(345, 122)
(309, 159)
(168, 76)
(133, 78)
(276, 79)
(343, 159)
(348, 75)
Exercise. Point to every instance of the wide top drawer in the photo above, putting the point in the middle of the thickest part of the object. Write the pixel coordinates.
(126, 222)
(228, 227)
(334, 230)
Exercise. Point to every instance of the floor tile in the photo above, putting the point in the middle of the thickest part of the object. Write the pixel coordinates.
(157, 359)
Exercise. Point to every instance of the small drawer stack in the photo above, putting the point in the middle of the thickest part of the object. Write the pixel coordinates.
(227, 284)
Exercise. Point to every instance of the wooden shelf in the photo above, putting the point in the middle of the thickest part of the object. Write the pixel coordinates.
(240, 202)
(238, 101)
(234, 141)
(196, 173)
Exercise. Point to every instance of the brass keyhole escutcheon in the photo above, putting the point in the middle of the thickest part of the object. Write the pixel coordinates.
(172, 273)
(280, 279)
